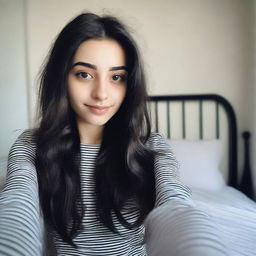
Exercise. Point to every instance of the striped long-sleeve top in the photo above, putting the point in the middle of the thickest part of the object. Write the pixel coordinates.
(175, 226)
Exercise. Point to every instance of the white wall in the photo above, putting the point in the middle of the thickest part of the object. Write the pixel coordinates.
(253, 139)
(189, 46)
(13, 96)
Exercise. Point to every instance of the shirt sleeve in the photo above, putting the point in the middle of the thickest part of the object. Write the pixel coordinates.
(176, 227)
(167, 178)
(21, 231)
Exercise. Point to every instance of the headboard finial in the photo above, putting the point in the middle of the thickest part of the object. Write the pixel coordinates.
(246, 184)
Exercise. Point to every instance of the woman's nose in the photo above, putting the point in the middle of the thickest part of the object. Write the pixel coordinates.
(99, 91)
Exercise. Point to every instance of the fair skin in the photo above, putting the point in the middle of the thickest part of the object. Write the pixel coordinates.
(96, 86)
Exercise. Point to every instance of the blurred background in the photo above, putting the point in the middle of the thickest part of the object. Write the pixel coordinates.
(188, 46)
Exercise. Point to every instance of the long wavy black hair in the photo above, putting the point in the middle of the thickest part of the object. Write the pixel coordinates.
(124, 167)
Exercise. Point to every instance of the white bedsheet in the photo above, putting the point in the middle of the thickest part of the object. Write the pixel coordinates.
(235, 217)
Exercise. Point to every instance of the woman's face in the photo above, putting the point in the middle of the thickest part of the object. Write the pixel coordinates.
(97, 81)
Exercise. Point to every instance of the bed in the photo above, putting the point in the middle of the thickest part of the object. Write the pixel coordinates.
(202, 132)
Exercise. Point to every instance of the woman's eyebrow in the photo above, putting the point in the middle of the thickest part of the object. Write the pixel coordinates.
(89, 65)
(85, 64)
(118, 68)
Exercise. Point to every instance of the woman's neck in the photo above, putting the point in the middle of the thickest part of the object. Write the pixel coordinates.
(90, 134)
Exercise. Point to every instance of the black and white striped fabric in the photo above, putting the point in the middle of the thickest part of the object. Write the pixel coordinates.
(175, 227)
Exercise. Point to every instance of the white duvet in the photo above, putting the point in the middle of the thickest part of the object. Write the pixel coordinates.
(235, 217)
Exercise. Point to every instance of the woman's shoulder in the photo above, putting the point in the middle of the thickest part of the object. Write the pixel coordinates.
(24, 144)
(26, 138)
(157, 140)
(160, 144)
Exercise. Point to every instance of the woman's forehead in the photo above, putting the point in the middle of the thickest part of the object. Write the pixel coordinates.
(101, 53)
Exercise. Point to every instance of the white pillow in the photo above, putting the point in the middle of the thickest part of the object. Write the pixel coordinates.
(199, 163)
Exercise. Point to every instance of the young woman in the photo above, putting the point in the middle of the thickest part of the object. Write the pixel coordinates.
(84, 181)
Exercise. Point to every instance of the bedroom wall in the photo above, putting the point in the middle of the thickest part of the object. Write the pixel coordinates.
(189, 46)
(13, 79)
(253, 156)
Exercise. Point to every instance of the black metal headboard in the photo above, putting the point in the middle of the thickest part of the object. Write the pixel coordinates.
(200, 98)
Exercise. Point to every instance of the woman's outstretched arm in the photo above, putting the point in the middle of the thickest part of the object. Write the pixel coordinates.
(21, 225)
(176, 227)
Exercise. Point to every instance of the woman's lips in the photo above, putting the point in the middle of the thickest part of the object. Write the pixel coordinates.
(98, 110)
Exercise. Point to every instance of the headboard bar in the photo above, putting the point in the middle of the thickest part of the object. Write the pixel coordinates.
(156, 115)
(217, 120)
(168, 120)
(232, 124)
(183, 120)
(201, 119)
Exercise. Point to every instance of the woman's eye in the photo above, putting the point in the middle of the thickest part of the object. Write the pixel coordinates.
(83, 75)
(119, 77)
